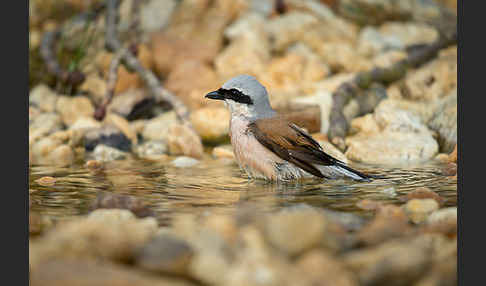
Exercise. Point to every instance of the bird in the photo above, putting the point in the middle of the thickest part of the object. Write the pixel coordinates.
(268, 146)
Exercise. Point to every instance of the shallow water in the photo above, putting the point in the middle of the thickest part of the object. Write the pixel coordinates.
(219, 186)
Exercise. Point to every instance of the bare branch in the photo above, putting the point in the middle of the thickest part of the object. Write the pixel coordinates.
(417, 55)
(132, 63)
(112, 79)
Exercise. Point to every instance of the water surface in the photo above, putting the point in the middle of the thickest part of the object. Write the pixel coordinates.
(219, 186)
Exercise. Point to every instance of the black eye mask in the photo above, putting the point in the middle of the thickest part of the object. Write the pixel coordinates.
(235, 95)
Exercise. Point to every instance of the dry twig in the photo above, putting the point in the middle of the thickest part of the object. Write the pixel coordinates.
(48, 45)
(132, 63)
(417, 55)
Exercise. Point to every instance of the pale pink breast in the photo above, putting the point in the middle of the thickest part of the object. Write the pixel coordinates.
(254, 158)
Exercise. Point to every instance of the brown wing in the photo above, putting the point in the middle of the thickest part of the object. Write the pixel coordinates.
(291, 143)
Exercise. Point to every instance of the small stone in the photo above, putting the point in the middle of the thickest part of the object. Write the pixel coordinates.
(320, 268)
(72, 108)
(424, 193)
(184, 162)
(389, 222)
(295, 231)
(166, 254)
(183, 140)
(212, 124)
(442, 221)
(225, 151)
(123, 125)
(395, 262)
(93, 164)
(46, 181)
(110, 234)
(107, 135)
(450, 169)
(44, 124)
(157, 128)
(442, 215)
(84, 272)
(369, 205)
(153, 149)
(84, 123)
(43, 97)
(105, 153)
(118, 201)
(419, 209)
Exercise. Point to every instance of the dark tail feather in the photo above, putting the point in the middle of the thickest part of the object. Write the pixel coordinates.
(355, 175)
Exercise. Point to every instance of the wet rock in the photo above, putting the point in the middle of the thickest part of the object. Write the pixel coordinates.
(43, 124)
(155, 15)
(295, 231)
(85, 123)
(89, 237)
(389, 222)
(107, 135)
(184, 162)
(248, 51)
(225, 151)
(397, 136)
(184, 141)
(212, 124)
(443, 221)
(424, 193)
(391, 148)
(419, 209)
(72, 108)
(369, 205)
(320, 268)
(153, 149)
(106, 153)
(395, 262)
(165, 253)
(119, 201)
(38, 223)
(84, 272)
(158, 128)
(123, 125)
(257, 265)
(51, 151)
(43, 97)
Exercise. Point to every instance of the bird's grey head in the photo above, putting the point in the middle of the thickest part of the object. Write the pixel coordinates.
(244, 96)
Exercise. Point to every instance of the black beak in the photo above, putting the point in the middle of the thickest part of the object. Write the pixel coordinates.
(215, 95)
